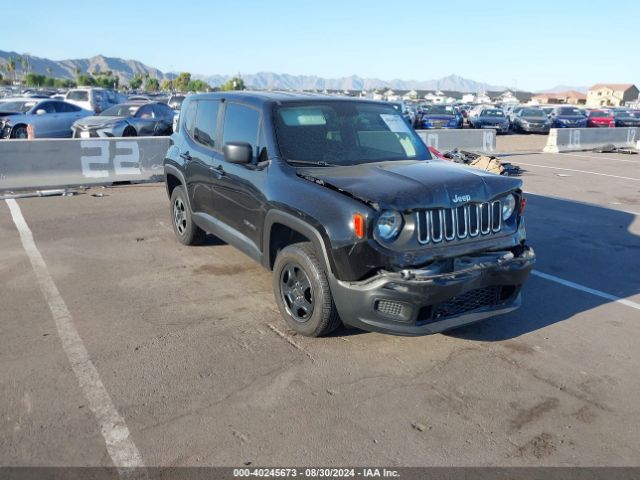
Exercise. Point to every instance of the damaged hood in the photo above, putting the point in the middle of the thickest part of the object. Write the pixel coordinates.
(410, 184)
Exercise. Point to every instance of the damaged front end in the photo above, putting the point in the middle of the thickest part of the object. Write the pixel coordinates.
(446, 294)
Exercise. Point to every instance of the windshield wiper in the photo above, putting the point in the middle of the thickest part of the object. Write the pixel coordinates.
(317, 163)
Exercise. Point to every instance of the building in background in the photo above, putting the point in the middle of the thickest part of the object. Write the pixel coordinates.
(612, 95)
(570, 97)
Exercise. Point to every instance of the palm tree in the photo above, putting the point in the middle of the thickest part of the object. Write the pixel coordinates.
(24, 64)
(11, 67)
(49, 70)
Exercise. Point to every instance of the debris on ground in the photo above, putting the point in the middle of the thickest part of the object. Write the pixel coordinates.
(62, 192)
(483, 162)
(611, 148)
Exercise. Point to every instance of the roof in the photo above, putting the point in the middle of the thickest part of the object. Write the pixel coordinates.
(613, 86)
(261, 97)
(567, 94)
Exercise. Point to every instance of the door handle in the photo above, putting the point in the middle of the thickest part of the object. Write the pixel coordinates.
(217, 171)
(186, 157)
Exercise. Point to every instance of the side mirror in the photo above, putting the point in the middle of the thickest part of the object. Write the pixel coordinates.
(41, 111)
(237, 152)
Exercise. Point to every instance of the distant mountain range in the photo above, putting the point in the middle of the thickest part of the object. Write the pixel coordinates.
(270, 80)
(126, 69)
(566, 88)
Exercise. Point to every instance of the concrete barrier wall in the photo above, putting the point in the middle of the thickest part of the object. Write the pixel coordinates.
(45, 163)
(446, 140)
(576, 139)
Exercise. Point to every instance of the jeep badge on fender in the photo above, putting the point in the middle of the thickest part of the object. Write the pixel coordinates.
(342, 201)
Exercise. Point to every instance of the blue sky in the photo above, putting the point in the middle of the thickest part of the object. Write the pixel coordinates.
(530, 44)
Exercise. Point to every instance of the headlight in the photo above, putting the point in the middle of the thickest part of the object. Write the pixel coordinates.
(508, 206)
(389, 225)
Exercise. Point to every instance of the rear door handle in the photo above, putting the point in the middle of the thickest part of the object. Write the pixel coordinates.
(186, 157)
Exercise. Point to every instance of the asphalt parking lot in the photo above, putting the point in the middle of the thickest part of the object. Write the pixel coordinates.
(192, 354)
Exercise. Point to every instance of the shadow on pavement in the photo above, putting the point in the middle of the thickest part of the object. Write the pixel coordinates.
(583, 243)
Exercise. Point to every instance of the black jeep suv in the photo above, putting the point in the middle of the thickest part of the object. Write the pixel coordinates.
(344, 203)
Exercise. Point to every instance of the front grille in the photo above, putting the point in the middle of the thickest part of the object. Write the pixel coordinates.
(471, 300)
(449, 224)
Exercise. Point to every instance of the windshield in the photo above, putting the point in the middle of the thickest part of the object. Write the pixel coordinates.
(569, 111)
(600, 114)
(345, 133)
(78, 95)
(623, 114)
(18, 106)
(439, 110)
(533, 112)
(176, 102)
(494, 112)
(122, 110)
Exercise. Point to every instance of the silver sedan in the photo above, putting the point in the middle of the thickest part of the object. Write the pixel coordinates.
(48, 118)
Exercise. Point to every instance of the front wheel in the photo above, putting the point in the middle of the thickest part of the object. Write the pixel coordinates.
(20, 132)
(129, 132)
(302, 291)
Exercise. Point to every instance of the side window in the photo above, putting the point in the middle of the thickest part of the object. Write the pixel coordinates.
(47, 107)
(189, 115)
(145, 112)
(206, 125)
(241, 125)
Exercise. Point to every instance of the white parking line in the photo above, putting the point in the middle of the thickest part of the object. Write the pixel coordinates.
(582, 288)
(579, 171)
(600, 158)
(120, 446)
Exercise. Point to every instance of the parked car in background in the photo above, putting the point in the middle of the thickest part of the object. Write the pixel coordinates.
(49, 118)
(490, 118)
(530, 120)
(129, 119)
(175, 101)
(547, 109)
(600, 118)
(625, 118)
(95, 99)
(567, 117)
(439, 116)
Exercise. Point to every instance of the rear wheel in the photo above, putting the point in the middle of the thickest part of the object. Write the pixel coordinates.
(302, 291)
(187, 232)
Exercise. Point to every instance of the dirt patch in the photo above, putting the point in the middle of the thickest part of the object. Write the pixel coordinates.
(529, 415)
(223, 270)
(519, 347)
(585, 415)
(539, 446)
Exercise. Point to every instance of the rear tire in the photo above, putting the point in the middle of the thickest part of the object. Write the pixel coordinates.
(302, 291)
(187, 232)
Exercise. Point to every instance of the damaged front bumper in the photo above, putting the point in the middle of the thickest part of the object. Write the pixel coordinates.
(444, 295)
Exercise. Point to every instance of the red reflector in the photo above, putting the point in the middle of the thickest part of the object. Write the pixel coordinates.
(358, 225)
(523, 204)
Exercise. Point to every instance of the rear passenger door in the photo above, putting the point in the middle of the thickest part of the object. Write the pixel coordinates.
(201, 125)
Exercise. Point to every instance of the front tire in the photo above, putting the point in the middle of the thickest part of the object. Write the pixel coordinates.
(302, 291)
(187, 232)
(129, 132)
(20, 132)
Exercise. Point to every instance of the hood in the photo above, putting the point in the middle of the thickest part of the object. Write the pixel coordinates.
(493, 119)
(535, 119)
(408, 184)
(571, 117)
(95, 120)
(438, 116)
